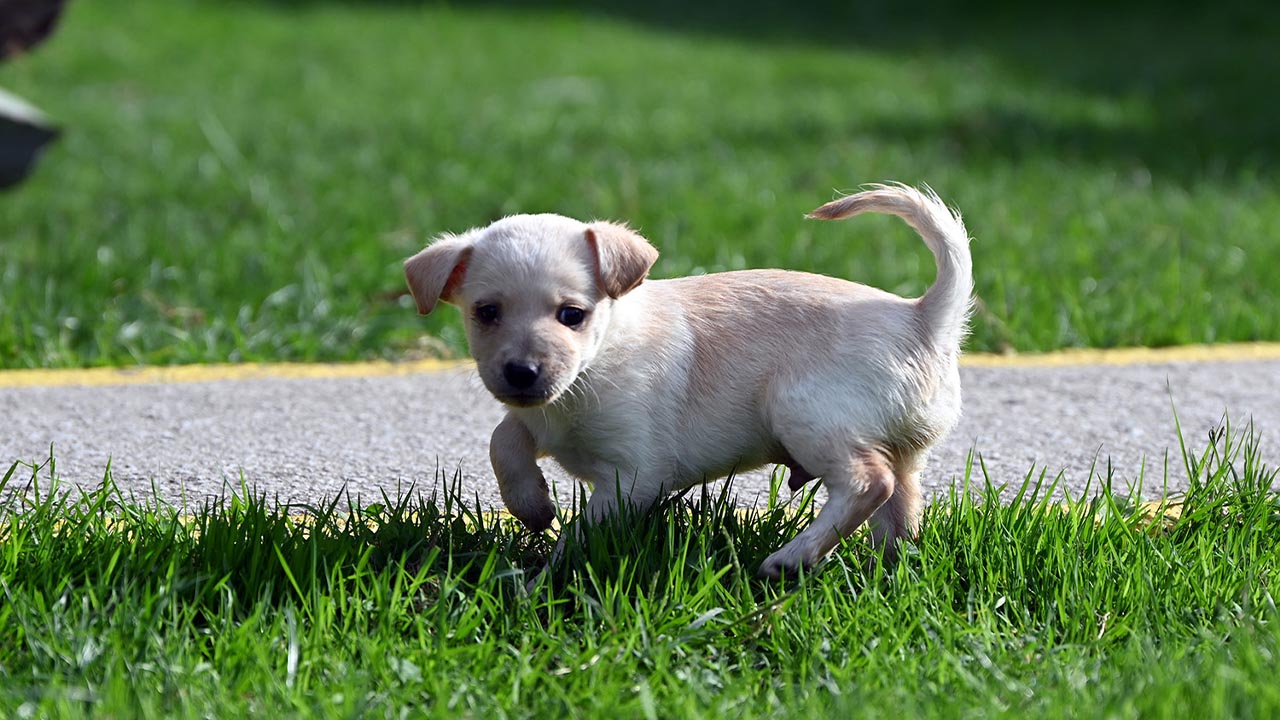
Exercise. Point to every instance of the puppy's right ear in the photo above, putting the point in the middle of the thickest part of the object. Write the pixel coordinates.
(436, 273)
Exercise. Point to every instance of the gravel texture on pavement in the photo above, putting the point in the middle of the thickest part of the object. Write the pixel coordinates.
(303, 440)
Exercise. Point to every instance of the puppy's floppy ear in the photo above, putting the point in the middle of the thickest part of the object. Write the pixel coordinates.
(436, 273)
(623, 258)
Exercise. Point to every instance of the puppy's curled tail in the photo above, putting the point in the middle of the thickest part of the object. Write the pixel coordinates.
(945, 306)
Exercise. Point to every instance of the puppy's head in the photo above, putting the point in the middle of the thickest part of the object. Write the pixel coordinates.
(536, 292)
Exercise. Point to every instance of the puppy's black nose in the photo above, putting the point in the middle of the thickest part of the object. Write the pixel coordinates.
(520, 375)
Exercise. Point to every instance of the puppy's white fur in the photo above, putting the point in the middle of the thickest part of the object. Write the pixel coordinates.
(664, 384)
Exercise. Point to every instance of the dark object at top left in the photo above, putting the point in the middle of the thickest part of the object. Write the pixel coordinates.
(24, 130)
(26, 23)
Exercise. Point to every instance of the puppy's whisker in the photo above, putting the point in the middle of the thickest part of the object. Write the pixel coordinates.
(586, 387)
(594, 379)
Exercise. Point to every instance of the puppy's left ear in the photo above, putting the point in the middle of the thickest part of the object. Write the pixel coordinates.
(436, 273)
(623, 258)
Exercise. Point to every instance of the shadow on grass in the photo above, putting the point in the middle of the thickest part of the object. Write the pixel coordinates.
(1200, 74)
(247, 545)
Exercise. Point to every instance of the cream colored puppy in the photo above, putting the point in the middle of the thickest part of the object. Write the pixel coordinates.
(644, 388)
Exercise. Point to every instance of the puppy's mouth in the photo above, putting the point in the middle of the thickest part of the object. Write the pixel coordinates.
(523, 398)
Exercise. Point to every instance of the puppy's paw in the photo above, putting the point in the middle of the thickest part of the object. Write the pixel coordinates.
(537, 513)
(788, 562)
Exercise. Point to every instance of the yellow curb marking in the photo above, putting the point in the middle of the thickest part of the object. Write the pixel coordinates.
(1232, 352)
(154, 375)
(175, 374)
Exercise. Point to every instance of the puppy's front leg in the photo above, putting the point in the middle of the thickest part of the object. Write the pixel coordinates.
(514, 454)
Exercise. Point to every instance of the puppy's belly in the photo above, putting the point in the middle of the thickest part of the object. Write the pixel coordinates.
(693, 471)
(676, 461)
(672, 444)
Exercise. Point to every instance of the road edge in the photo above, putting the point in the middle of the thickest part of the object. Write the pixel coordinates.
(180, 374)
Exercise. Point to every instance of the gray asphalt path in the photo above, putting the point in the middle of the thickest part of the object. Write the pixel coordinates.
(305, 439)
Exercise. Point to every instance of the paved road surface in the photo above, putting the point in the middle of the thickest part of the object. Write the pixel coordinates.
(304, 439)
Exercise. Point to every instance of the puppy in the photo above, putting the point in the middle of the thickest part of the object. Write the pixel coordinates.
(645, 388)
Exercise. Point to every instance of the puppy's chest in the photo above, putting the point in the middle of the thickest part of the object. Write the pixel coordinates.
(588, 437)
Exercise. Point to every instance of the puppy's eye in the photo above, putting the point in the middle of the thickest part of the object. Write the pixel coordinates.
(571, 316)
(487, 314)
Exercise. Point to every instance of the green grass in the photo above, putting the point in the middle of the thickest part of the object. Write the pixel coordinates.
(117, 608)
(240, 181)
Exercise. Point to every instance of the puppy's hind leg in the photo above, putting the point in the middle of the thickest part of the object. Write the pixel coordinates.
(857, 485)
(520, 481)
(898, 519)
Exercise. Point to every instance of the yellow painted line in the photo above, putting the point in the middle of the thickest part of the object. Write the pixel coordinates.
(153, 375)
(158, 375)
(1231, 352)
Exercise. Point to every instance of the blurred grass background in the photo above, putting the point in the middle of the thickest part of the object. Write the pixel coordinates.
(240, 181)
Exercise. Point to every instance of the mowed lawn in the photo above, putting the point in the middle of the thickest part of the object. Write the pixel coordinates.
(240, 181)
